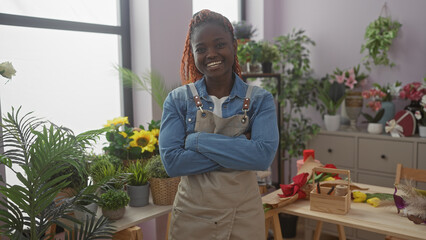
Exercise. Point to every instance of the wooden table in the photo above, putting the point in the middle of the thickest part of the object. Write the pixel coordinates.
(383, 220)
(135, 216)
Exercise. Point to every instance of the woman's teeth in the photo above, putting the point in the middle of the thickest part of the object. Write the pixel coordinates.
(213, 64)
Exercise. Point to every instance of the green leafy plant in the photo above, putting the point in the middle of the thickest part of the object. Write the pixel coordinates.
(298, 91)
(331, 94)
(268, 52)
(374, 118)
(155, 168)
(379, 36)
(41, 150)
(114, 199)
(138, 174)
(249, 51)
(243, 30)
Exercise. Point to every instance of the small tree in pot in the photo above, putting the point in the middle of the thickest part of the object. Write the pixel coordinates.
(268, 54)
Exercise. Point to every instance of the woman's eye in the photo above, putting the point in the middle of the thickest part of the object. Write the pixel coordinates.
(221, 45)
(200, 50)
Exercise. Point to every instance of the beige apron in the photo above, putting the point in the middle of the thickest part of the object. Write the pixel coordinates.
(222, 204)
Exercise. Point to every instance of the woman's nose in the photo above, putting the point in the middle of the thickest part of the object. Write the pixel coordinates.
(211, 53)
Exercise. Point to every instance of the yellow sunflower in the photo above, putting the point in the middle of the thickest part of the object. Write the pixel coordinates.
(116, 121)
(143, 139)
(155, 132)
(123, 134)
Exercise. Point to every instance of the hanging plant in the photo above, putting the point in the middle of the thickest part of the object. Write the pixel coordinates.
(379, 36)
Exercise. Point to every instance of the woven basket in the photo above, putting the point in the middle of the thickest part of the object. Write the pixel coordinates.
(164, 190)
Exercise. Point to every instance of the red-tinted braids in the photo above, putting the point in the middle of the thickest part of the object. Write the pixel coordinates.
(188, 71)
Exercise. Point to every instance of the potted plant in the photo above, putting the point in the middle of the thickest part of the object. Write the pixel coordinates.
(42, 150)
(268, 54)
(376, 105)
(137, 184)
(332, 94)
(378, 38)
(421, 117)
(163, 188)
(390, 91)
(248, 55)
(113, 203)
(243, 31)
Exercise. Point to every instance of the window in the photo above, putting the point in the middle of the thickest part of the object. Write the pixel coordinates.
(65, 69)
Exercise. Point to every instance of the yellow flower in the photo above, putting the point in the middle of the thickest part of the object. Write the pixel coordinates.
(359, 196)
(375, 201)
(330, 179)
(155, 132)
(143, 139)
(123, 134)
(116, 121)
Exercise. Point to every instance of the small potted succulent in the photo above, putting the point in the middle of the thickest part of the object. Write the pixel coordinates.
(163, 187)
(137, 184)
(113, 203)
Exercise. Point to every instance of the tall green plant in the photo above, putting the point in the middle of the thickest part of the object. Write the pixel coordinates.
(42, 150)
(298, 91)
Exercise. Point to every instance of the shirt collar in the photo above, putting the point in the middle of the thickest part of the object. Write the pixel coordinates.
(238, 90)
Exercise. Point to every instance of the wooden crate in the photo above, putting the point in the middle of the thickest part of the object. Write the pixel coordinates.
(324, 202)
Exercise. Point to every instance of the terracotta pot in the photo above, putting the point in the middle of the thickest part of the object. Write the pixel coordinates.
(114, 214)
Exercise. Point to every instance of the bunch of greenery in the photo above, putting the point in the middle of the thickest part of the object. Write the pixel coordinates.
(298, 91)
(379, 36)
(249, 51)
(243, 30)
(138, 174)
(155, 168)
(114, 199)
(42, 150)
(268, 52)
(104, 173)
(331, 94)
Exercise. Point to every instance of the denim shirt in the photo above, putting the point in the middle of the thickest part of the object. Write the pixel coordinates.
(186, 152)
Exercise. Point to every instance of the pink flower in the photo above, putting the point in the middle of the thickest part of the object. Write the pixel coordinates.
(350, 82)
(377, 106)
(366, 94)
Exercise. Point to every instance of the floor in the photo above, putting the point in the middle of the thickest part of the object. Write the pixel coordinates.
(300, 234)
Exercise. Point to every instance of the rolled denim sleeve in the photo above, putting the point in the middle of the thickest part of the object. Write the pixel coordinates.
(239, 153)
(177, 160)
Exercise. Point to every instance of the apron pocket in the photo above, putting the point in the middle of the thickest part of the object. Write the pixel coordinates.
(201, 223)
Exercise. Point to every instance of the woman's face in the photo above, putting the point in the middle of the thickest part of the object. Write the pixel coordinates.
(214, 51)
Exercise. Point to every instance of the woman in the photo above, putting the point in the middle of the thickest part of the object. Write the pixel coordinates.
(216, 132)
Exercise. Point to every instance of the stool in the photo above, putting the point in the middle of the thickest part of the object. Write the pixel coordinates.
(131, 233)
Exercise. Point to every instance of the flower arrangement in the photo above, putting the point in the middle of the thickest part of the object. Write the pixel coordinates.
(413, 91)
(351, 78)
(376, 95)
(421, 114)
(7, 70)
(390, 90)
(131, 143)
(332, 94)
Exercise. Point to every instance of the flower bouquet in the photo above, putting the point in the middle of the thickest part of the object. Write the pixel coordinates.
(129, 143)
(413, 91)
(376, 105)
(351, 78)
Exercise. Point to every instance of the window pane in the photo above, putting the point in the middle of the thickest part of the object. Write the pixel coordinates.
(93, 11)
(63, 76)
(228, 8)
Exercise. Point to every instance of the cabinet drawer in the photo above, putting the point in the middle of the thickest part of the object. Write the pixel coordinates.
(337, 150)
(382, 155)
(374, 179)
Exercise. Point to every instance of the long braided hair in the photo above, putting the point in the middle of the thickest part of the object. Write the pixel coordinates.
(188, 71)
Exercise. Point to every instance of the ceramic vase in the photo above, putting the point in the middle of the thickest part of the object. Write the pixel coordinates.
(332, 122)
(114, 214)
(389, 113)
(139, 195)
(375, 128)
(422, 131)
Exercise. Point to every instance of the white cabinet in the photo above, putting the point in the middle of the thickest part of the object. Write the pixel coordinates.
(371, 159)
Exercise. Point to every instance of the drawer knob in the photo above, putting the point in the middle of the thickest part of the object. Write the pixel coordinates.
(330, 150)
(383, 156)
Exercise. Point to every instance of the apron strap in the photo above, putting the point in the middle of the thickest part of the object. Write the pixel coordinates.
(196, 98)
(246, 104)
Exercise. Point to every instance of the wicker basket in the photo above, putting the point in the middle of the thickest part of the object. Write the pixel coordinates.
(164, 190)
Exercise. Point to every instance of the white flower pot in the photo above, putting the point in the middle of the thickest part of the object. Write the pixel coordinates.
(375, 128)
(422, 131)
(332, 122)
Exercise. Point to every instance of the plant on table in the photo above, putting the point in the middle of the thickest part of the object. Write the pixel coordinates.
(113, 203)
(376, 96)
(352, 78)
(42, 150)
(332, 94)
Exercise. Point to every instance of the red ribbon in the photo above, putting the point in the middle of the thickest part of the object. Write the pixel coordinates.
(296, 187)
